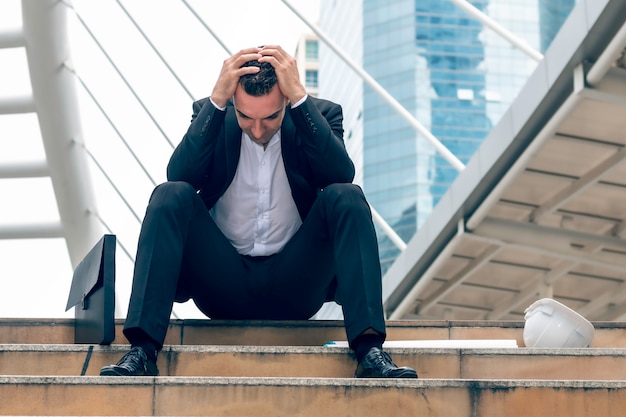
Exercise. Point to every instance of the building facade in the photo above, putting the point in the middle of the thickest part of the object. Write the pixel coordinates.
(454, 75)
(307, 57)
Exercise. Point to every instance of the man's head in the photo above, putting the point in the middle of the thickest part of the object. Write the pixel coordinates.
(259, 103)
(260, 83)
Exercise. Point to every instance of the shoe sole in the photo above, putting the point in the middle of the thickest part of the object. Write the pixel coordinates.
(111, 371)
(405, 373)
(400, 373)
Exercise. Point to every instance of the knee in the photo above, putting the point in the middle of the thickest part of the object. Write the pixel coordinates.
(344, 190)
(172, 195)
(345, 195)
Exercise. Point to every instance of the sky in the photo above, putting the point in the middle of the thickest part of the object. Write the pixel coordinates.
(35, 275)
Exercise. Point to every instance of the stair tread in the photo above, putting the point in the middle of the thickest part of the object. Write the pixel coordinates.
(263, 397)
(305, 382)
(290, 372)
(322, 362)
(310, 350)
(303, 333)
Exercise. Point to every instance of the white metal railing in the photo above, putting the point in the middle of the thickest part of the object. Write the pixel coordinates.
(391, 101)
(395, 105)
(499, 29)
(14, 38)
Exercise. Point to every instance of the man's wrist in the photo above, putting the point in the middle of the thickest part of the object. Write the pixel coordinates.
(297, 103)
(217, 105)
(298, 96)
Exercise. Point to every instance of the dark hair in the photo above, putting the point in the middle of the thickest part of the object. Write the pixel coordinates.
(260, 83)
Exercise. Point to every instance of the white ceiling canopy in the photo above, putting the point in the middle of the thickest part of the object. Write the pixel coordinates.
(540, 210)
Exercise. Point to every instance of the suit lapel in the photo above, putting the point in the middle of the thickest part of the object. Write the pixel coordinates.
(233, 135)
(288, 142)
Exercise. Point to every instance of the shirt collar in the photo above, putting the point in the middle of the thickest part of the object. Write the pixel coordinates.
(274, 141)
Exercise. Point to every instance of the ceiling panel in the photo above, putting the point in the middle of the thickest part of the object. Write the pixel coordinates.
(547, 218)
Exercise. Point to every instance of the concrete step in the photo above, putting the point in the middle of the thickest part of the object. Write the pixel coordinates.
(322, 362)
(261, 368)
(295, 333)
(217, 396)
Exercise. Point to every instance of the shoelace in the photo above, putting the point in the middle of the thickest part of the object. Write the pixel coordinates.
(133, 359)
(383, 360)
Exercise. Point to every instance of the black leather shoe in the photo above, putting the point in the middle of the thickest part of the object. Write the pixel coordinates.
(378, 364)
(134, 363)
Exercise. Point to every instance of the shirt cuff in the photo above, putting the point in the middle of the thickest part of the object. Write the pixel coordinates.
(302, 100)
(216, 106)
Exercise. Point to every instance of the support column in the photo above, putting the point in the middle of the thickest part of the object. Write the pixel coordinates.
(54, 93)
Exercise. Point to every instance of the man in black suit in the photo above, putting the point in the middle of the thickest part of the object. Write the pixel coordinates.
(259, 219)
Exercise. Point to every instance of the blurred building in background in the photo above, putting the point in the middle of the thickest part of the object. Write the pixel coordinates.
(456, 76)
(307, 55)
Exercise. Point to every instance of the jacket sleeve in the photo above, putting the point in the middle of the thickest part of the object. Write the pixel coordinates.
(320, 126)
(193, 155)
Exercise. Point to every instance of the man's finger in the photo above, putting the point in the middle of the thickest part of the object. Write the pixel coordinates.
(247, 70)
(273, 51)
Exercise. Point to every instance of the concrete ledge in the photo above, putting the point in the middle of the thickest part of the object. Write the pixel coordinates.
(298, 333)
(307, 397)
(322, 362)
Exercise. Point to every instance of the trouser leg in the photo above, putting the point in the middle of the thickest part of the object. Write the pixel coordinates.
(173, 210)
(336, 241)
(182, 252)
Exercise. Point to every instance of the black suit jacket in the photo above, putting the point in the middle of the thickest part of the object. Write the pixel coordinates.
(312, 145)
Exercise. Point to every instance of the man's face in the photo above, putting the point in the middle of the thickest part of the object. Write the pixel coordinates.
(260, 117)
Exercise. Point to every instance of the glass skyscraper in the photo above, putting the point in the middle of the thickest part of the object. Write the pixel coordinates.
(454, 75)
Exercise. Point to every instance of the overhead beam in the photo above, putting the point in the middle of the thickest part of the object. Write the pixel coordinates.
(550, 241)
(405, 266)
(547, 131)
(532, 289)
(459, 277)
(12, 38)
(572, 191)
(17, 105)
(615, 313)
(34, 169)
(600, 301)
(31, 231)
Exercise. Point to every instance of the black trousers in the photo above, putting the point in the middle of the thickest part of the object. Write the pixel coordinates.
(182, 254)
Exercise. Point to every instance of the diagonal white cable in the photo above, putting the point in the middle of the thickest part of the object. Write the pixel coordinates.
(388, 230)
(106, 226)
(203, 23)
(498, 28)
(443, 151)
(111, 183)
(113, 126)
(120, 74)
(156, 51)
(127, 253)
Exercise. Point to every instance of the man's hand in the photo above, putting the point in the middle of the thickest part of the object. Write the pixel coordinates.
(286, 72)
(231, 71)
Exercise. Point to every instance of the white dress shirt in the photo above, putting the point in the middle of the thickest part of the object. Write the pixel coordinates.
(257, 213)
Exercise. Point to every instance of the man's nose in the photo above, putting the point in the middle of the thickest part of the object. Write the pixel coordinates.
(257, 129)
